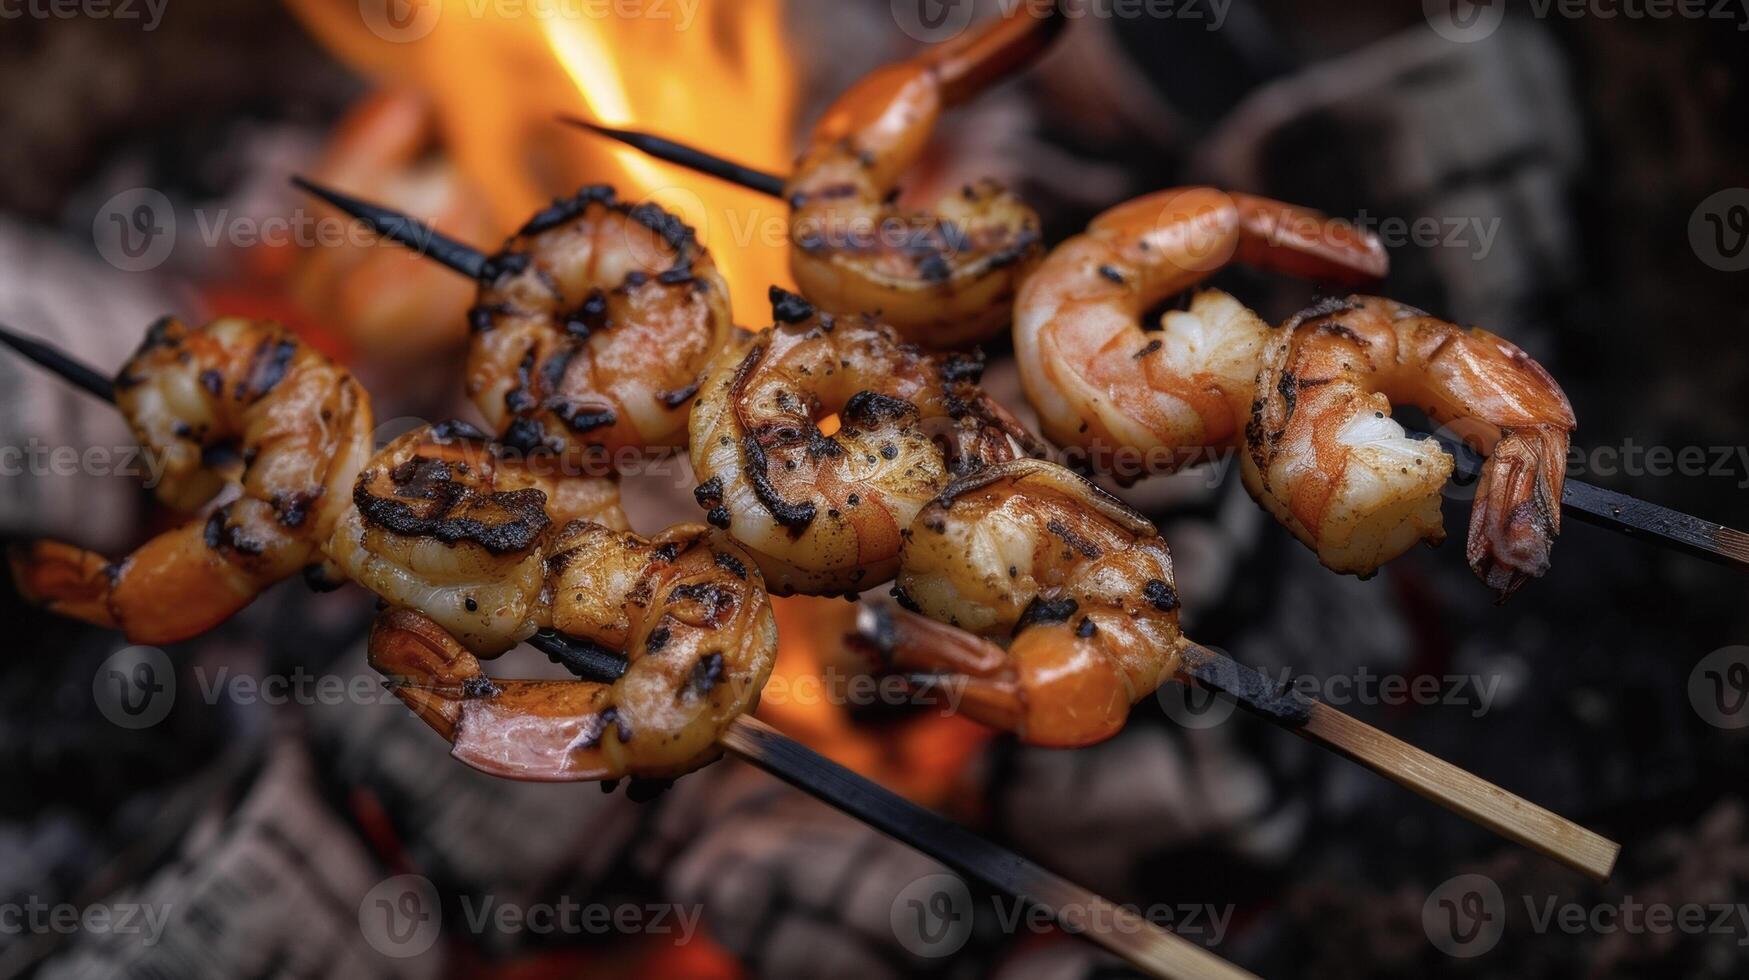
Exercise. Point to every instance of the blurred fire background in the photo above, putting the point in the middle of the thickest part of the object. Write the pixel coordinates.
(1552, 181)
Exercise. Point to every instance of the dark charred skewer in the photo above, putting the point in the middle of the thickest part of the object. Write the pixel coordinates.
(587, 660)
(1150, 948)
(415, 234)
(71, 370)
(1141, 942)
(663, 148)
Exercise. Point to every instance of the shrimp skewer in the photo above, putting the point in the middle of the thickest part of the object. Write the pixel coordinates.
(1593, 505)
(1309, 402)
(943, 277)
(202, 400)
(1049, 608)
(441, 679)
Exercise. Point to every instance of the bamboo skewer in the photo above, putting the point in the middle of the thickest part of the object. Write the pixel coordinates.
(1506, 814)
(1458, 790)
(1607, 509)
(1144, 944)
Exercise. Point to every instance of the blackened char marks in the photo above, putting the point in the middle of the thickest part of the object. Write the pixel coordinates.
(519, 516)
(1086, 548)
(220, 535)
(455, 429)
(795, 517)
(867, 409)
(719, 603)
(565, 209)
(590, 317)
(267, 367)
(787, 307)
(1160, 594)
(1043, 612)
(705, 675)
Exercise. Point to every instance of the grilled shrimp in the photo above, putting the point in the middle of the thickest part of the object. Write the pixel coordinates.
(1103, 381)
(443, 523)
(945, 277)
(592, 325)
(692, 618)
(1076, 585)
(825, 513)
(1324, 455)
(240, 413)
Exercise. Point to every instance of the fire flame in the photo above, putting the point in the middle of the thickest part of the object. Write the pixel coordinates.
(499, 73)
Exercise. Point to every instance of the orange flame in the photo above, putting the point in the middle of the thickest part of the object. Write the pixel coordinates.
(499, 72)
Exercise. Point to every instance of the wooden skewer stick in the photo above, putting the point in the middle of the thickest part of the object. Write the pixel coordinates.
(947, 842)
(1593, 505)
(1145, 945)
(1464, 793)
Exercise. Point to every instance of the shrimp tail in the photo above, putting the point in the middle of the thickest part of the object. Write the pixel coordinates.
(64, 580)
(1300, 242)
(543, 731)
(973, 61)
(963, 669)
(1517, 511)
(173, 587)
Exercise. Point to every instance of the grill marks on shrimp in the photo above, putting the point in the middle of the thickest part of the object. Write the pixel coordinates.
(451, 511)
